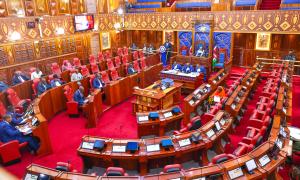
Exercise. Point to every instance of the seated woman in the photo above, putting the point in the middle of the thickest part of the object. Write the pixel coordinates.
(8, 132)
(176, 66)
(220, 92)
(187, 68)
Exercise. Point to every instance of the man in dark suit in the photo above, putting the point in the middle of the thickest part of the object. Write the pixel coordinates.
(98, 82)
(19, 77)
(9, 133)
(42, 86)
(187, 68)
(130, 69)
(55, 82)
(3, 86)
(79, 96)
(176, 66)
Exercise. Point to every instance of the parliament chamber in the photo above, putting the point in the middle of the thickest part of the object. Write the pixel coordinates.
(149, 89)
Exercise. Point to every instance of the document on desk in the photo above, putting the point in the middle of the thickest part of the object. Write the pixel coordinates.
(168, 114)
(31, 177)
(119, 148)
(217, 99)
(153, 148)
(87, 145)
(143, 118)
(184, 142)
(264, 160)
(25, 129)
(235, 173)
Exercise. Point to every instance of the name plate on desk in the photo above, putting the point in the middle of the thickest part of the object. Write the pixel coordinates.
(251, 165)
(217, 125)
(168, 114)
(87, 145)
(210, 133)
(184, 142)
(191, 102)
(264, 160)
(235, 173)
(279, 143)
(143, 118)
(222, 121)
(119, 149)
(233, 106)
(153, 148)
(214, 81)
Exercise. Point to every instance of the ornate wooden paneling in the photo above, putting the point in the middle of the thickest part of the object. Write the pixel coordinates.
(29, 7)
(3, 11)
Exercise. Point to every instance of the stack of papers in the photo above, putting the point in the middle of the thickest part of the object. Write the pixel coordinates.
(143, 118)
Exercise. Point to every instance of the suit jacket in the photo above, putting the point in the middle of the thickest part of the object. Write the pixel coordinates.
(53, 82)
(97, 83)
(17, 79)
(42, 87)
(131, 70)
(176, 67)
(187, 69)
(79, 97)
(9, 132)
(3, 86)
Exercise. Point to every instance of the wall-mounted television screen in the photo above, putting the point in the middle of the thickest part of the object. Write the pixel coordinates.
(84, 22)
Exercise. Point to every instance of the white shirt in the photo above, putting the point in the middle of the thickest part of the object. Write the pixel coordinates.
(36, 75)
(76, 76)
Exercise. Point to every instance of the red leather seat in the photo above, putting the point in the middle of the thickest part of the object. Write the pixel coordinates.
(265, 107)
(124, 60)
(172, 168)
(117, 61)
(84, 71)
(34, 85)
(259, 123)
(141, 54)
(94, 68)
(107, 54)
(135, 55)
(194, 124)
(100, 57)
(210, 115)
(110, 64)
(72, 106)
(115, 171)
(242, 149)
(92, 59)
(114, 75)
(221, 158)
(10, 151)
(105, 77)
(120, 52)
(76, 62)
(3, 110)
(267, 99)
(136, 66)
(253, 131)
(254, 141)
(143, 63)
(63, 166)
(125, 51)
(16, 102)
(55, 68)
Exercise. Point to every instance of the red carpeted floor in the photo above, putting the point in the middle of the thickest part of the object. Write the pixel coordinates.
(118, 122)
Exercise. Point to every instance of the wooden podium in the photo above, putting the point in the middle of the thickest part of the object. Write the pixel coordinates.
(153, 99)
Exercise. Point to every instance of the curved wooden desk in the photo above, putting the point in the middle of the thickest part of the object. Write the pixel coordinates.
(159, 126)
(218, 79)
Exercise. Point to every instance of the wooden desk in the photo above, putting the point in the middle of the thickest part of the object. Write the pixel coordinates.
(237, 100)
(251, 79)
(284, 105)
(150, 99)
(194, 103)
(35, 169)
(93, 108)
(158, 126)
(218, 79)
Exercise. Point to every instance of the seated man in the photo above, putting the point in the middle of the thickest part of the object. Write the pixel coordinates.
(201, 69)
(134, 47)
(98, 82)
(291, 56)
(79, 96)
(150, 49)
(55, 82)
(43, 86)
(3, 86)
(145, 49)
(9, 133)
(176, 66)
(200, 52)
(19, 77)
(187, 68)
(36, 74)
(76, 76)
(130, 69)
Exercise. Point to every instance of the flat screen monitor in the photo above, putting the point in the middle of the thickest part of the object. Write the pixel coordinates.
(251, 165)
(84, 22)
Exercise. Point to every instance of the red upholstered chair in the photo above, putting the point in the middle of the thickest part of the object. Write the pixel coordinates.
(110, 64)
(85, 71)
(3, 110)
(135, 55)
(16, 102)
(72, 106)
(125, 51)
(92, 59)
(253, 131)
(254, 141)
(209, 116)
(141, 54)
(265, 107)
(124, 60)
(195, 123)
(94, 68)
(34, 86)
(117, 61)
(67, 167)
(136, 66)
(120, 52)
(55, 68)
(242, 149)
(115, 171)
(172, 168)
(76, 62)
(10, 151)
(100, 57)
(221, 158)
(105, 77)
(268, 99)
(114, 75)
(143, 63)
